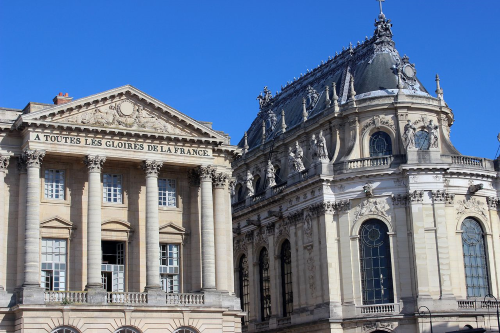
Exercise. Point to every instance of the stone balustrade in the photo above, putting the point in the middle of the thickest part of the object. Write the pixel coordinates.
(65, 297)
(469, 162)
(262, 326)
(378, 308)
(369, 162)
(278, 189)
(477, 304)
(284, 321)
(127, 298)
(185, 299)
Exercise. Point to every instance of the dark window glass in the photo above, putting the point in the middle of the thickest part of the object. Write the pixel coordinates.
(265, 285)
(240, 193)
(257, 185)
(375, 257)
(244, 292)
(277, 171)
(380, 144)
(286, 279)
(476, 266)
(422, 141)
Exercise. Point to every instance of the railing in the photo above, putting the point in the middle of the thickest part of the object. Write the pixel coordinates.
(238, 206)
(65, 297)
(258, 197)
(284, 321)
(304, 174)
(278, 188)
(262, 326)
(127, 298)
(185, 299)
(369, 162)
(468, 161)
(378, 308)
(477, 304)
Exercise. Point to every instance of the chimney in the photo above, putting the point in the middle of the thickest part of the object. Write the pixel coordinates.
(60, 99)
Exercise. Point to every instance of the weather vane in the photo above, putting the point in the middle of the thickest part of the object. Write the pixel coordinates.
(380, 3)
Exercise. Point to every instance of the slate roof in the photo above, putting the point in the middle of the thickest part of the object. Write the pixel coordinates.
(375, 64)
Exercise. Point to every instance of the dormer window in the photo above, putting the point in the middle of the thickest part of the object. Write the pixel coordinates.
(380, 144)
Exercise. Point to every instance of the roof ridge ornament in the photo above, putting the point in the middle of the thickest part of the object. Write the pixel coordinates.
(383, 31)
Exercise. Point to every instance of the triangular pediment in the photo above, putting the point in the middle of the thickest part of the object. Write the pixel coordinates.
(124, 109)
(172, 228)
(116, 225)
(57, 223)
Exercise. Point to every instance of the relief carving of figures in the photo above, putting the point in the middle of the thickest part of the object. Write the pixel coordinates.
(249, 184)
(271, 120)
(240, 245)
(433, 134)
(409, 135)
(378, 121)
(311, 268)
(308, 228)
(261, 237)
(282, 230)
(270, 175)
(472, 205)
(372, 207)
(4, 162)
(493, 202)
(295, 158)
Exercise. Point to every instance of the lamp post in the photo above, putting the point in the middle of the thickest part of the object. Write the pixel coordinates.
(430, 314)
(496, 302)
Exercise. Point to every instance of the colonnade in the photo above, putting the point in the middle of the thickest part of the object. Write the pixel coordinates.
(214, 242)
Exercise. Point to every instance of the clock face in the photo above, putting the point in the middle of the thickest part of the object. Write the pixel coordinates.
(409, 71)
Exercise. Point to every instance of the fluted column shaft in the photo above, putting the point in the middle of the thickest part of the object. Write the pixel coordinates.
(219, 183)
(94, 260)
(152, 168)
(33, 160)
(207, 229)
(4, 163)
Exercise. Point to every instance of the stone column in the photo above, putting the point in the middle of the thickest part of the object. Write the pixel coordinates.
(229, 232)
(21, 219)
(207, 229)
(219, 183)
(33, 160)
(94, 260)
(4, 163)
(152, 168)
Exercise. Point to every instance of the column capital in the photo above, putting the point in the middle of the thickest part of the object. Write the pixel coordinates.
(33, 158)
(219, 179)
(152, 167)
(94, 162)
(206, 172)
(4, 162)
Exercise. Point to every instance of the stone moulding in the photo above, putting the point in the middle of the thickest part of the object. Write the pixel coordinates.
(471, 206)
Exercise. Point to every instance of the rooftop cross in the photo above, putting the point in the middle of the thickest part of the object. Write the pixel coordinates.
(380, 4)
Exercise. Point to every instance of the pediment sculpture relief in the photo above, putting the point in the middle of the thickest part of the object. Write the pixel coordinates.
(372, 207)
(123, 114)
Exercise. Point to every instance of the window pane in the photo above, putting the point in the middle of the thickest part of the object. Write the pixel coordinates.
(265, 285)
(53, 274)
(286, 279)
(54, 184)
(475, 261)
(112, 188)
(380, 144)
(167, 195)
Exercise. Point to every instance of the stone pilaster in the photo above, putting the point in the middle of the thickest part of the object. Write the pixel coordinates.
(219, 183)
(94, 284)
(4, 163)
(32, 293)
(152, 168)
(207, 229)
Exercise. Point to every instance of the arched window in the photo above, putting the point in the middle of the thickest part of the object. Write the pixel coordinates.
(422, 141)
(265, 285)
(127, 329)
(475, 262)
(258, 182)
(380, 144)
(239, 192)
(64, 329)
(185, 330)
(244, 291)
(277, 171)
(375, 258)
(286, 278)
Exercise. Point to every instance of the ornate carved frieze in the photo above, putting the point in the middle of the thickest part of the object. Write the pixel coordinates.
(94, 162)
(151, 167)
(219, 179)
(342, 205)
(443, 196)
(205, 172)
(124, 114)
(308, 227)
(261, 237)
(282, 230)
(322, 208)
(372, 207)
(472, 205)
(240, 245)
(33, 158)
(371, 326)
(4, 162)
(294, 217)
(416, 196)
(493, 203)
(400, 200)
(193, 177)
(311, 269)
(378, 121)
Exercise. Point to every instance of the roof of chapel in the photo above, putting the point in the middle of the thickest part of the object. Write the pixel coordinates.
(375, 66)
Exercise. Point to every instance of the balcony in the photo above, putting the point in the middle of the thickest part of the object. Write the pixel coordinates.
(469, 162)
(477, 304)
(369, 163)
(376, 309)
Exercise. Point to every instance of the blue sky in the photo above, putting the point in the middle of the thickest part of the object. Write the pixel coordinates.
(210, 59)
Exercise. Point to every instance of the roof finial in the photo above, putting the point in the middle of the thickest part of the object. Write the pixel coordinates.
(327, 97)
(245, 145)
(335, 97)
(263, 132)
(351, 84)
(439, 91)
(283, 124)
(380, 4)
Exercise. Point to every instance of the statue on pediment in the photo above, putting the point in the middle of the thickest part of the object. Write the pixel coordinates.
(270, 175)
(433, 134)
(295, 159)
(409, 135)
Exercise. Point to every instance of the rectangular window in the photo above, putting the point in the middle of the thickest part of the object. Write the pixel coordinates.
(167, 195)
(53, 274)
(169, 267)
(54, 184)
(112, 188)
(113, 267)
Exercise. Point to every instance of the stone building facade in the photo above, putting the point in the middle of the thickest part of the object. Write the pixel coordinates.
(115, 218)
(353, 211)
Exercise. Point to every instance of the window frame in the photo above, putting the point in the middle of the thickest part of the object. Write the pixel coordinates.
(389, 148)
(265, 285)
(175, 193)
(244, 288)
(286, 278)
(53, 266)
(105, 192)
(170, 274)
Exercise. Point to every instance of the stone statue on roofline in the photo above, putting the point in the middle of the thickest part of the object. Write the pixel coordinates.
(249, 184)
(270, 175)
(264, 99)
(295, 156)
(433, 134)
(409, 135)
(322, 149)
(314, 148)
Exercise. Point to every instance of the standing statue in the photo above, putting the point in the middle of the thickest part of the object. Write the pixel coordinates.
(272, 120)
(409, 135)
(433, 134)
(270, 175)
(314, 149)
(299, 154)
(249, 184)
(232, 190)
(322, 149)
